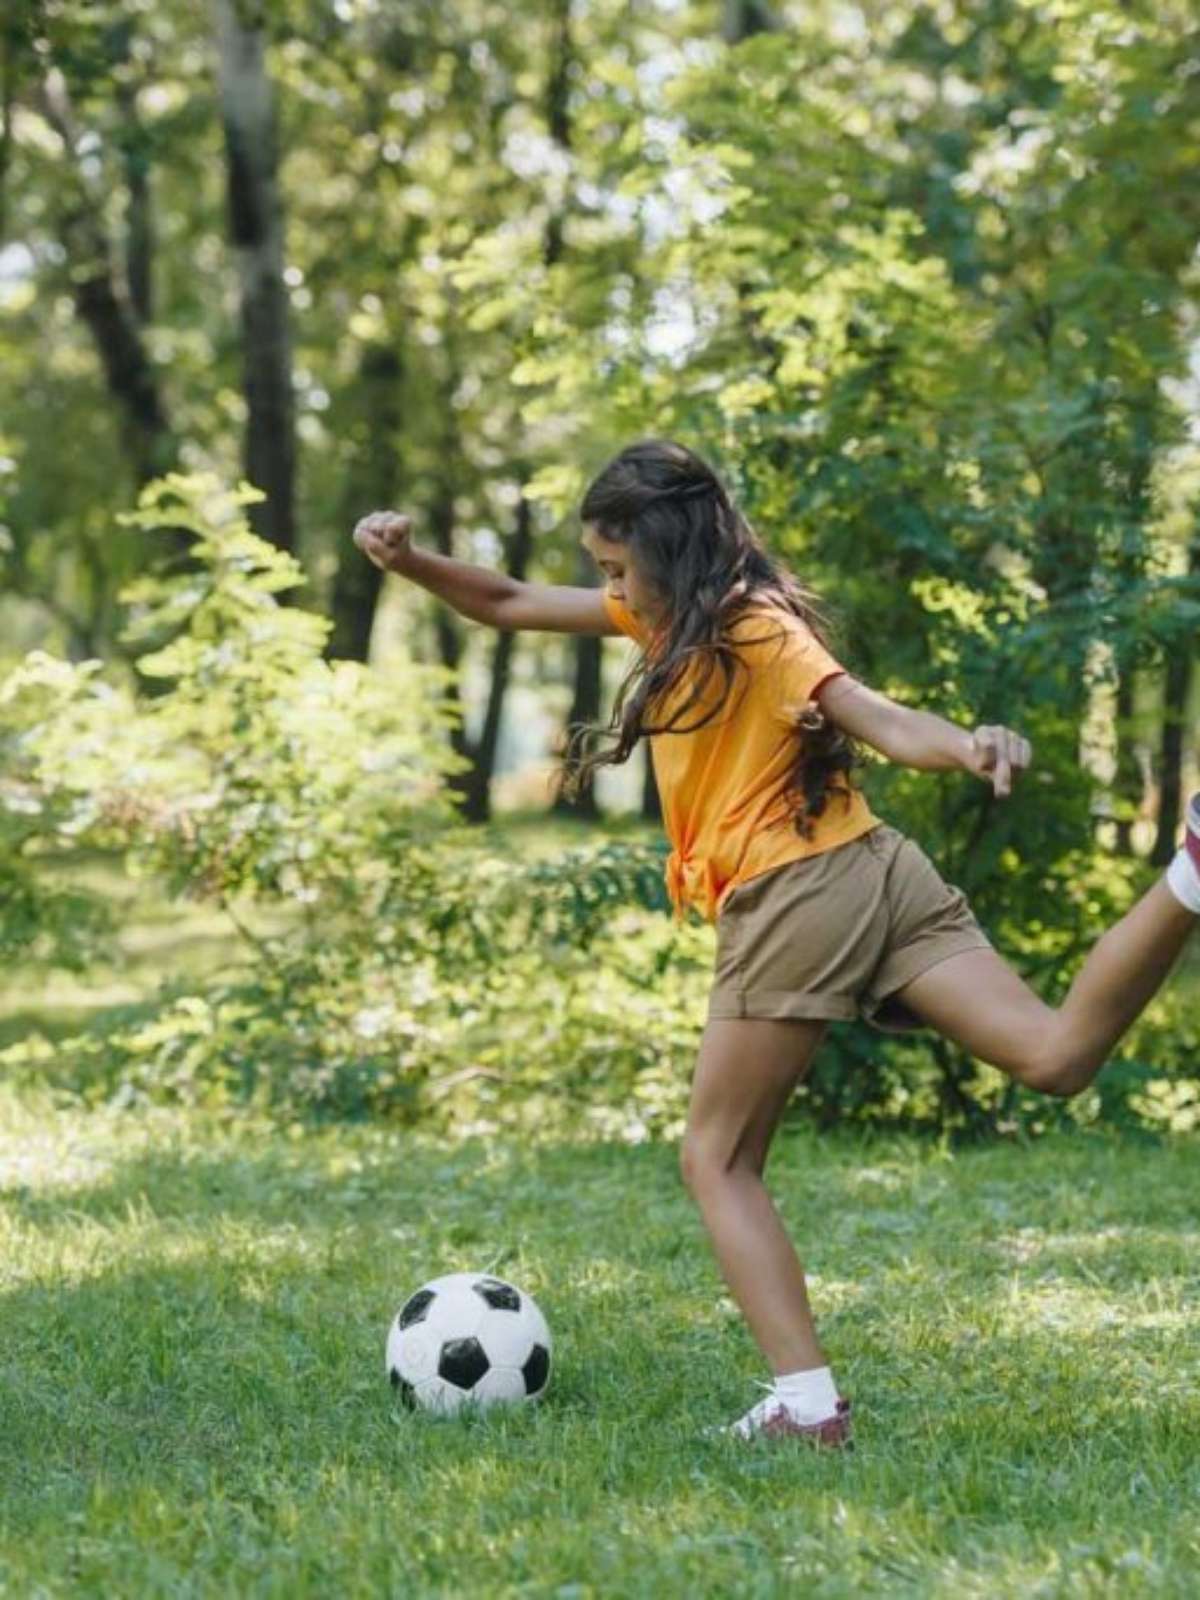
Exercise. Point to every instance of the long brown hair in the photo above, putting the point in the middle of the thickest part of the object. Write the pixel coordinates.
(704, 564)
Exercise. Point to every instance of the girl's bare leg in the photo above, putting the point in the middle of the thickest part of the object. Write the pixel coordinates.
(745, 1073)
(980, 1002)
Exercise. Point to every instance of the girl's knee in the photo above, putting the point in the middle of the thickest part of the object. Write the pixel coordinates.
(701, 1163)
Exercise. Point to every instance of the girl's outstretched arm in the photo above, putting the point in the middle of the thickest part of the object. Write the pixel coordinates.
(919, 738)
(385, 538)
(479, 593)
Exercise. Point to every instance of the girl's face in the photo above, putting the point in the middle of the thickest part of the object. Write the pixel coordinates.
(623, 580)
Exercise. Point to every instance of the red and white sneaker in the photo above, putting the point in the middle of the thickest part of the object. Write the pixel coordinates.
(771, 1419)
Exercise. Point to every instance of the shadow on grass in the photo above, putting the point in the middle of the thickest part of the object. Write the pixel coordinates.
(201, 1362)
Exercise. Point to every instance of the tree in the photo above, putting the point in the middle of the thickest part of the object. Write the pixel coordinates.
(101, 288)
(256, 235)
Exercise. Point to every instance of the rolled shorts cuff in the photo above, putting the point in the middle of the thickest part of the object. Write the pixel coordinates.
(911, 963)
(779, 1005)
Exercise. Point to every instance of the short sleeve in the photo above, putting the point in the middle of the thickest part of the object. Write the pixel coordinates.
(798, 669)
(620, 613)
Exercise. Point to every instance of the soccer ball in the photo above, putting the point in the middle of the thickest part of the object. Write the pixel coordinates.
(466, 1338)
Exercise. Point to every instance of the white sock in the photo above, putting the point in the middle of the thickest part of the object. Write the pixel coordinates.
(810, 1396)
(1184, 881)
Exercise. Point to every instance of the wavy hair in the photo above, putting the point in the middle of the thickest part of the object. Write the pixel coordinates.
(704, 564)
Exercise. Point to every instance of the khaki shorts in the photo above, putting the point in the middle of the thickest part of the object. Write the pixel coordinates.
(832, 936)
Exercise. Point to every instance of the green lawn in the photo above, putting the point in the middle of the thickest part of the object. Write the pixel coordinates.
(192, 1389)
(193, 1400)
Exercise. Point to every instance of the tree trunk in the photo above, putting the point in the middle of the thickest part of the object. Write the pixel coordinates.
(11, 39)
(744, 18)
(371, 485)
(1127, 780)
(139, 209)
(585, 704)
(472, 786)
(479, 779)
(256, 234)
(449, 640)
(651, 803)
(558, 116)
(135, 146)
(1176, 687)
(100, 289)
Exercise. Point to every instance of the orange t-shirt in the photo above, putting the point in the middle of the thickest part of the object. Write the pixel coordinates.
(718, 784)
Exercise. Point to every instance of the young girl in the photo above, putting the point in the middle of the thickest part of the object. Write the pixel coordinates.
(823, 912)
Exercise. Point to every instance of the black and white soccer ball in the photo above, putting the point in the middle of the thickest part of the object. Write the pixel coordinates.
(468, 1338)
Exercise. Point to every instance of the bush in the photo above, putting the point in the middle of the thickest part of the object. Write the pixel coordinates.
(411, 969)
(261, 775)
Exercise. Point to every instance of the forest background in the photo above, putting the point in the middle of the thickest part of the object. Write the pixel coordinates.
(920, 279)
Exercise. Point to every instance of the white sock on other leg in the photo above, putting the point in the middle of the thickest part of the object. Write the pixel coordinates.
(810, 1396)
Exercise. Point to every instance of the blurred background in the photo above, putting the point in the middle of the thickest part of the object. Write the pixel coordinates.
(924, 275)
(920, 279)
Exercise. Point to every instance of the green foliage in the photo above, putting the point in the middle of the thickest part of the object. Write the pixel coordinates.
(42, 922)
(904, 288)
(419, 971)
(942, 406)
(263, 776)
(401, 137)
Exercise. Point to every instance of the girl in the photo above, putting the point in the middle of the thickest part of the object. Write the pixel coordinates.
(823, 911)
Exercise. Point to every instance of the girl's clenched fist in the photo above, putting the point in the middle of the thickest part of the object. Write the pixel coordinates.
(384, 538)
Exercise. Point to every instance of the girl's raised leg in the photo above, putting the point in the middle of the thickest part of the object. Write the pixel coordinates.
(977, 999)
(745, 1074)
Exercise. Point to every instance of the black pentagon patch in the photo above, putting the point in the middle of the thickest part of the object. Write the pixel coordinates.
(500, 1296)
(404, 1390)
(462, 1362)
(414, 1309)
(536, 1369)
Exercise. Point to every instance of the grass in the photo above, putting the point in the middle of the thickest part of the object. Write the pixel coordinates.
(194, 1309)
(193, 1401)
